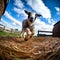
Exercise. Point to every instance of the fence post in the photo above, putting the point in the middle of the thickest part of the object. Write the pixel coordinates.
(38, 33)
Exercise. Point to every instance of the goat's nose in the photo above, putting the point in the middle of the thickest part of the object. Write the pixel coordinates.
(31, 18)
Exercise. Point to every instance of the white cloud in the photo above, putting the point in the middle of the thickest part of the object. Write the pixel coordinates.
(18, 3)
(20, 11)
(14, 23)
(40, 25)
(12, 19)
(51, 21)
(40, 7)
(58, 10)
(20, 8)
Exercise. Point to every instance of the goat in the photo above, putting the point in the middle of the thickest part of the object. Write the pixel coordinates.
(28, 25)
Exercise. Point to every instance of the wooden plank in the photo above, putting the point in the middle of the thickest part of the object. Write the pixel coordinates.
(45, 31)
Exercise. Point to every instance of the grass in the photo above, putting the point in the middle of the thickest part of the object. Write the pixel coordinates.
(3, 33)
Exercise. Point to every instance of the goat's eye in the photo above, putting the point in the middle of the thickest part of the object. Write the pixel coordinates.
(29, 13)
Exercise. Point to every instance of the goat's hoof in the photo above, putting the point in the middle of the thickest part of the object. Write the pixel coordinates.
(26, 39)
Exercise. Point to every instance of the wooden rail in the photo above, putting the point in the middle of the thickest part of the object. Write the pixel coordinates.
(10, 30)
(44, 32)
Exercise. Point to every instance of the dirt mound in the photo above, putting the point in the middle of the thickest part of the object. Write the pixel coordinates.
(42, 48)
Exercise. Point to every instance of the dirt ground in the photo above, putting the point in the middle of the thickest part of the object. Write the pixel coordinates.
(36, 48)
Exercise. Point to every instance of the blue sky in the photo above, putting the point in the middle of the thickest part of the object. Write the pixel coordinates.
(14, 14)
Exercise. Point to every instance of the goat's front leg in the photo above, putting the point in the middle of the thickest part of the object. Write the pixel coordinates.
(22, 35)
(28, 34)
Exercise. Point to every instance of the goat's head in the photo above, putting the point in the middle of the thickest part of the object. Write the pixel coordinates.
(32, 15)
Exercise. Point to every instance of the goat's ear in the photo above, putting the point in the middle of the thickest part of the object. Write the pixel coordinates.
(26, 12)
(38, 15)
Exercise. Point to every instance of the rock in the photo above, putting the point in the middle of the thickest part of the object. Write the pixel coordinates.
(37, 48)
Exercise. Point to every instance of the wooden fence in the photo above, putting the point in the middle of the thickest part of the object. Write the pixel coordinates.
(8, 29)
(42, 33)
